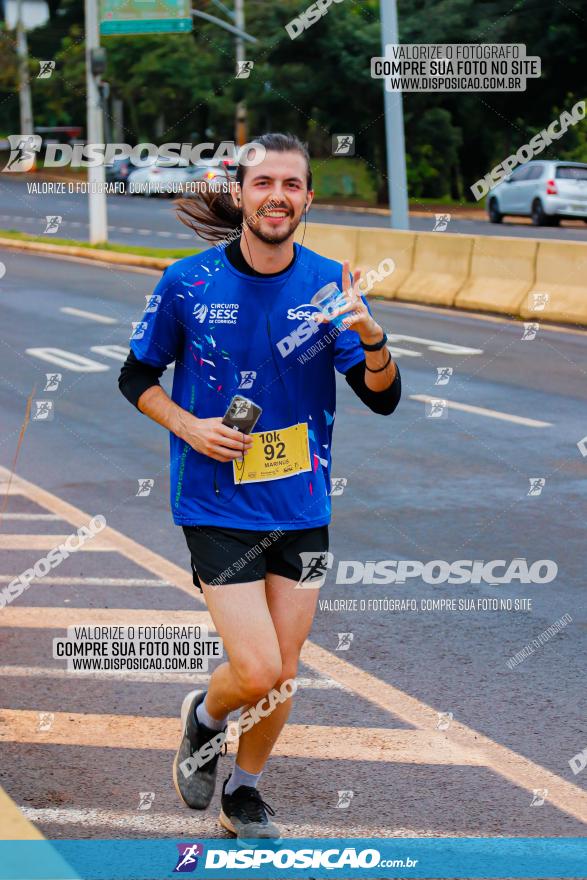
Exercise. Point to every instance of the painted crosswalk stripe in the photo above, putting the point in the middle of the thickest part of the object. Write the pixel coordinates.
(42, 517)
(152, 677)
(90, 581)
(20, 616)
(47, 542)
(483, 411)
(518, 770)
(319, 742)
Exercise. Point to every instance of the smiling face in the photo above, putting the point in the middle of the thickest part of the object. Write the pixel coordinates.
(279, 181)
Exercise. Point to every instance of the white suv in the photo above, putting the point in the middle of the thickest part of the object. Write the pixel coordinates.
(544, 191)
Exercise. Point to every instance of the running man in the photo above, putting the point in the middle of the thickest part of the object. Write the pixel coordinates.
(237, 319)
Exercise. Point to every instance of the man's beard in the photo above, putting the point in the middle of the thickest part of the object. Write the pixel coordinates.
(278, 236)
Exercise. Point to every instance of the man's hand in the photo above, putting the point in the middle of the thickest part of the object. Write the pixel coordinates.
(357, 314)
(212, 438)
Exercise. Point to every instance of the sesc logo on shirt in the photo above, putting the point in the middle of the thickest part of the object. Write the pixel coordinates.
(200, 312)
(217, 313)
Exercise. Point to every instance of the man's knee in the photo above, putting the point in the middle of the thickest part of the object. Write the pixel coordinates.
(258, 675)
(288, 673)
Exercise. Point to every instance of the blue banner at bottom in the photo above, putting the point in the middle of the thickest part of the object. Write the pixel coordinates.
(377, 858)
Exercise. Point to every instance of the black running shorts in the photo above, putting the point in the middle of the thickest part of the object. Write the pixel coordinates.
(234, 556)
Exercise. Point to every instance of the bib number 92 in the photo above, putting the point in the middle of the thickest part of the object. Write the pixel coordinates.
(273, 446)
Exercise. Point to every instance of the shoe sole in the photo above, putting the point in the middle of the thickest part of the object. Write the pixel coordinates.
(227, 824)
(185, 708)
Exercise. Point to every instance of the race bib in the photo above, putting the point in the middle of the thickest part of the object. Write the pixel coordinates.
(275, 455)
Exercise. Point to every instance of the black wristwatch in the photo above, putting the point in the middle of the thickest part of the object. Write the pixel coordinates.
(378, 345)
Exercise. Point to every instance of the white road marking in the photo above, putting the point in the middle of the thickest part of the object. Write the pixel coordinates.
(482, 411)
(90, 581)
(177, 825)
(68, 360)
(408, 352)
(153, 677)
(47, 542)
(434, 345)
(27, 516)
(116, 352)
(91, 316)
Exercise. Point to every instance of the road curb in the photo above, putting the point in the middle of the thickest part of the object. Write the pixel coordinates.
(99, 256)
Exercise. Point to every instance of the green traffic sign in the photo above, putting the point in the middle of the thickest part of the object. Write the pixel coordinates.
(145, 16)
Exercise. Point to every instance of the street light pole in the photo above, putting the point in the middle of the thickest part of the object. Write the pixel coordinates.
(24, 86)
(241, 107)
(394, 129)
(95, 126)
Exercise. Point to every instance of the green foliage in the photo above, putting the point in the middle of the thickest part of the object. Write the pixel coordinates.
(182, 87)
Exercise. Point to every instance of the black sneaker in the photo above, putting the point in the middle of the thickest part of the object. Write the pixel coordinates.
(194, 768)
(244, 813)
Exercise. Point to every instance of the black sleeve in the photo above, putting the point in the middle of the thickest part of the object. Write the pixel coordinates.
(381, 402)
(136, 376)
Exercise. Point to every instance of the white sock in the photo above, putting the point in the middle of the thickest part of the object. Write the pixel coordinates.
(240, 777)
(204, 717)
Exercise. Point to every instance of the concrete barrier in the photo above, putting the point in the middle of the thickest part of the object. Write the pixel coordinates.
(375, 245)
(501, 275)
(440, 269)
(487, 273)
(561, 274)
(335, 242)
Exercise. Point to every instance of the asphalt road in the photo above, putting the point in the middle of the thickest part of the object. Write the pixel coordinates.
(137, 220)
(418, 488)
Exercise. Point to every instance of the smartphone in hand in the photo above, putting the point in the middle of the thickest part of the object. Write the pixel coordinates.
(242, 414)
